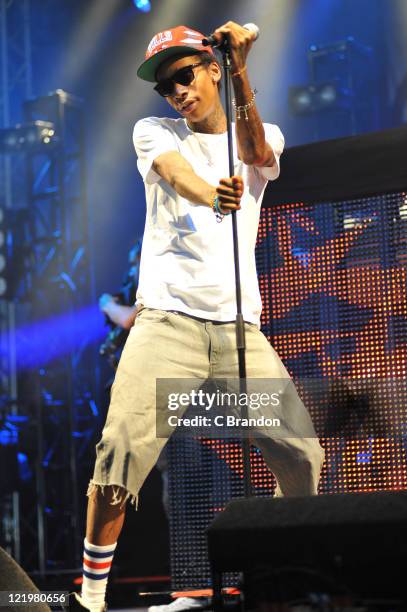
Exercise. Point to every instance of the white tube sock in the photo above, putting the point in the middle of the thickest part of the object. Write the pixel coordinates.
(97, 561)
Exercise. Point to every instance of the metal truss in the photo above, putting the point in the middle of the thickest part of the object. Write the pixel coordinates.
(50, 409)
(15, 86)
(58, 394)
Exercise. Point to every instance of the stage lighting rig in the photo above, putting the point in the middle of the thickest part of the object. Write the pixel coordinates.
(341, 96)
(308, 99)
(33, 136)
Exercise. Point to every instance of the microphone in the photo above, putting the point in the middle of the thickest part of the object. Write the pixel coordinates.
(213, 39)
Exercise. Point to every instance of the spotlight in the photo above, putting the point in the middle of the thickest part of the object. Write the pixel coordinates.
(28, 137)
(300, 100)
(327, 94)
(307, 99)
(142, 5)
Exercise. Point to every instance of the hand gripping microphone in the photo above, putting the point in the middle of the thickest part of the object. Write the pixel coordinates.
(217, 40)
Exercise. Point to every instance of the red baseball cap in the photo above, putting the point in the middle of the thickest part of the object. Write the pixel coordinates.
(163, 45)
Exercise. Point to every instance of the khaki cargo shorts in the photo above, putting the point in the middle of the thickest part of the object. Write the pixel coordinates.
(166, 344)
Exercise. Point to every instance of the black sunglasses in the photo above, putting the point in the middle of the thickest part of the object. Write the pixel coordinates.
(183, 76)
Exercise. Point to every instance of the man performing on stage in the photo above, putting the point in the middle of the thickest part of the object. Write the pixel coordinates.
(186, 296)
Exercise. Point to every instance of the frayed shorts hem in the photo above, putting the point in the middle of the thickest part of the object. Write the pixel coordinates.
(120, 495)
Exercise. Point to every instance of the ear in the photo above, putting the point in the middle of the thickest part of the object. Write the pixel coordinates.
(215, 72)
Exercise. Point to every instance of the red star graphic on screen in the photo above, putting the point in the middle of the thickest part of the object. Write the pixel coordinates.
(374, 352)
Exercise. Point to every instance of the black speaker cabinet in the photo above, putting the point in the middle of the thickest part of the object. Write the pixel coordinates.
(14, 578)
(353, 543)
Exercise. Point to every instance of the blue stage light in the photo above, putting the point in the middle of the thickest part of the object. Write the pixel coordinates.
(8, 436)
(143, 5)
(24, 469)
(40, 342)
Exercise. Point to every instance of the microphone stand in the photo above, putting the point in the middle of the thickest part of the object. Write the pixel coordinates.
(240, 330)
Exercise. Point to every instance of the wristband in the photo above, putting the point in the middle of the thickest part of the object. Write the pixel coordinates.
(219, 214)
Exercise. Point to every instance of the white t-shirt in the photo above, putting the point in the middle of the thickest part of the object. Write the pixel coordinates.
(187, 256)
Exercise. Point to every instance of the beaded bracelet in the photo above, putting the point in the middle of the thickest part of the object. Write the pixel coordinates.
(244, 107)
(217, 209)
